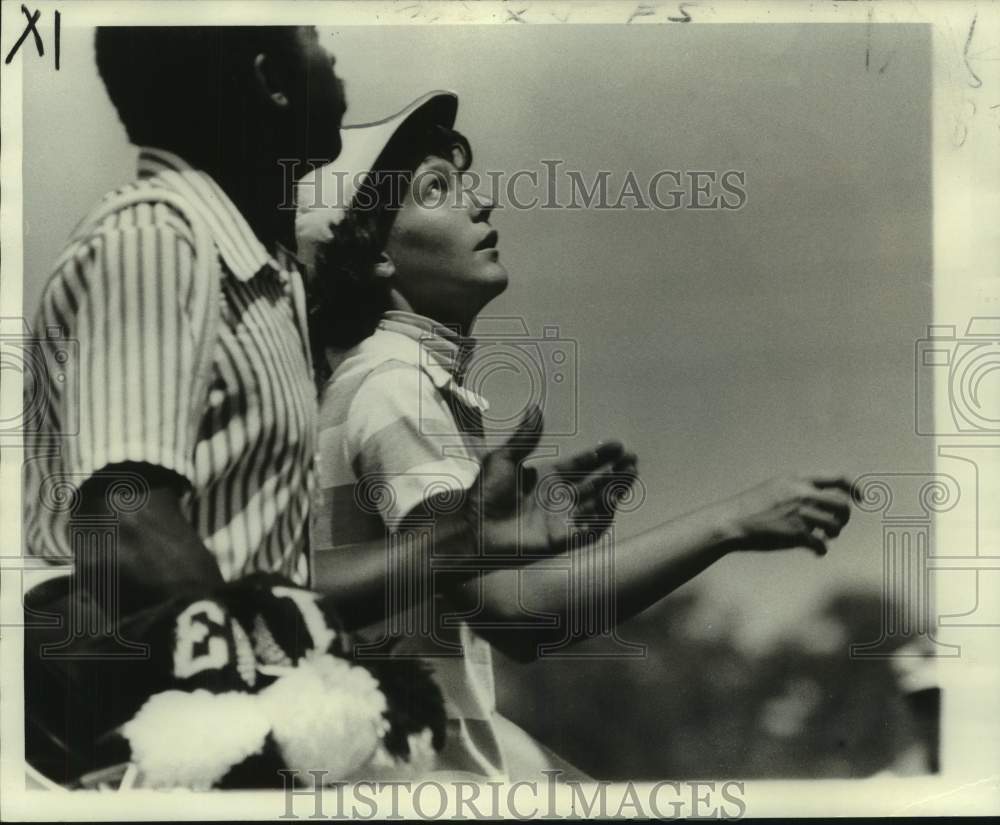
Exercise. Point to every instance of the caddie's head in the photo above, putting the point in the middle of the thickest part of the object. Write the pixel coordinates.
(254, 93)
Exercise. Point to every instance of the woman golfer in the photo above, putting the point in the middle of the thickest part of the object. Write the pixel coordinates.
(404, 260)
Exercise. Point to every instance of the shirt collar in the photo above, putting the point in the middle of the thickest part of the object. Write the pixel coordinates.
(438, 350)
(442, 343)
(239, 247)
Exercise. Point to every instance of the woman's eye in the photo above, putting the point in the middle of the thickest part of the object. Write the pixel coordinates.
(434, 187)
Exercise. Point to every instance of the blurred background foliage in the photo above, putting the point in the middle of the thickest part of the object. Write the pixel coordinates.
(700, 705)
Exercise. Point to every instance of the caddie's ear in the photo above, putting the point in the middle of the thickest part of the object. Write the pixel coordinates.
(384, 267)
(271, 80)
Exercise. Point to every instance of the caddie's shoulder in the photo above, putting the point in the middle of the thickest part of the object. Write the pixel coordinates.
(141, 205)
(131, 231)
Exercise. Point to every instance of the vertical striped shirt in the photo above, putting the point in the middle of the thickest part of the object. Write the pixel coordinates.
(127, 291)
(395, 415)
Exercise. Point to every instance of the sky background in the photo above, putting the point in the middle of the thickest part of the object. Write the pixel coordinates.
(724, 347)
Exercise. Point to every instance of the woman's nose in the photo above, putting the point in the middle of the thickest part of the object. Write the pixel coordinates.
(482, 206)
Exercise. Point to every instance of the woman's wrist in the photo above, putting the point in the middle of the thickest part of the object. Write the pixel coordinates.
(724, 527)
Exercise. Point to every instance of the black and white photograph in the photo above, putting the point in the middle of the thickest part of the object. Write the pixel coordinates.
(459, 410)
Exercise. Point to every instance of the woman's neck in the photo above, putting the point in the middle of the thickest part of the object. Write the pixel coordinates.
(399, 302)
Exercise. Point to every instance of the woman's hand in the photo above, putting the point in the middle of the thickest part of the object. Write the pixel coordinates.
(519, 511)
(792, 511)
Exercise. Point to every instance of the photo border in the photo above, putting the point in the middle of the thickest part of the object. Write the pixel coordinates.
(966, 254)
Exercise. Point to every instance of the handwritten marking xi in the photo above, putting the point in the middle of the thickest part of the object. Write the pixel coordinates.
(31, 27)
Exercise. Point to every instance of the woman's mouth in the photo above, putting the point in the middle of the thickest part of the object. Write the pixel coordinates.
(489, 241)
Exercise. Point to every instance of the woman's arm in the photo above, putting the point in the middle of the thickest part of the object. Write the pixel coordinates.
(783, 513)
(500, 516)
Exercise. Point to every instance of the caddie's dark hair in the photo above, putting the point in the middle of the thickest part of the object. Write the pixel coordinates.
(348, 299)
(174, 86)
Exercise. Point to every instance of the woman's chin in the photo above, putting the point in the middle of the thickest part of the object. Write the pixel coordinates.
(498, 277)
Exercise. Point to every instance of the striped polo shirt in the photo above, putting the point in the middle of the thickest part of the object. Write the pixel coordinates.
(396, 425)
(127, 292)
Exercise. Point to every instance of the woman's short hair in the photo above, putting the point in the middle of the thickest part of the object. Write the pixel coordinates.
(348, 299)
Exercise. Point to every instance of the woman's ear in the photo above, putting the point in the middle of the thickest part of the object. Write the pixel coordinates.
(384, 267)
(270, 80)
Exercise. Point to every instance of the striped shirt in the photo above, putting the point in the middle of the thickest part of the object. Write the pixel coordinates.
(394, 416)
(127, 290)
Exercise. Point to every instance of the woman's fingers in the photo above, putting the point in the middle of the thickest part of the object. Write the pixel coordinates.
(827, 522)
(590, 460)
(601, 493)
(833, 501)
(815, 543)
(833, 481)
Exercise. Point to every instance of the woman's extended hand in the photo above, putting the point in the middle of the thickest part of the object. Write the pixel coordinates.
(790, 511)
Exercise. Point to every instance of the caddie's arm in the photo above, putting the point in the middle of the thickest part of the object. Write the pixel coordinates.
(159, 554)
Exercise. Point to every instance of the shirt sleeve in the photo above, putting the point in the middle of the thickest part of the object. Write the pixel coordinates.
(402, 437)
(129, 305)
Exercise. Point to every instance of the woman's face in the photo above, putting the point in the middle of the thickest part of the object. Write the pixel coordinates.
(443, 250)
